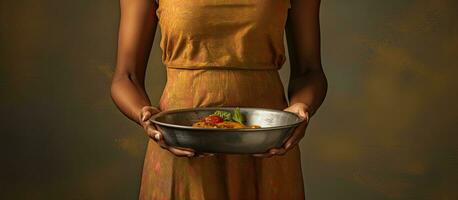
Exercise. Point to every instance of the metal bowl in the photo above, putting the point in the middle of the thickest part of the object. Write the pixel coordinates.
(276, 127)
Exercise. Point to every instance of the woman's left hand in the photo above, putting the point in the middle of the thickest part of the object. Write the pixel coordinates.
(302, 111)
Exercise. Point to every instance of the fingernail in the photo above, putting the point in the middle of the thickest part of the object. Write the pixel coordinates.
(144, 118)
(302, 113)
(157, 136)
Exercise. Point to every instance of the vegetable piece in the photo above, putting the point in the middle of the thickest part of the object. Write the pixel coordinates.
(237, 116)
(230, 124)
(227, 116)
(213, 119)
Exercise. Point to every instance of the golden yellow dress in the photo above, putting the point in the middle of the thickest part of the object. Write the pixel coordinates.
(222, 53)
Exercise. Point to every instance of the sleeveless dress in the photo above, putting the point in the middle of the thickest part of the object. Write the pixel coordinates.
(222, 53)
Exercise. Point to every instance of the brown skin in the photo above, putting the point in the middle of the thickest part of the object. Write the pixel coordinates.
(307, 87)
(308, 84)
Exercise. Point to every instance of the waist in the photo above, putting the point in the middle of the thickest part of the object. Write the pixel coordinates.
(218, 75)
(256, 67)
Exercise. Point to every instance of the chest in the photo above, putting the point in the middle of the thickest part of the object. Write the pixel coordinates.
(221, 16)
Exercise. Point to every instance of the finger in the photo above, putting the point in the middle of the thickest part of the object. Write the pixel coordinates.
(307, 117)
(291, 139)
(263, 155)
(283, 152)
(300, 109)
(277, 151)
(151, 109)
(162, 143)
(159, 140)
(153, 133)
(266, 155)
(301, 113)
(155, 109)
(289, 109)
(157, 136)
(148, 111)
(151, 128)
(205, 154)
(181, 152)
(182, 149)
(155, 126)
(290, 145)
(147, 108)
(293, 145)
(178, 151)
(145, 115)
(298, 132)
(147, 124)
(199, 154)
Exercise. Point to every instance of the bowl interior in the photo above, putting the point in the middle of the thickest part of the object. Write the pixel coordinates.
(266, 118)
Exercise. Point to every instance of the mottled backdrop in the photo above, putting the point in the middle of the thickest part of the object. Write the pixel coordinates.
(387, 129)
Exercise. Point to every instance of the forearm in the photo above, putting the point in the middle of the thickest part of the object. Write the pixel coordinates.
(309, 88)
(136, 35)
(129, 96)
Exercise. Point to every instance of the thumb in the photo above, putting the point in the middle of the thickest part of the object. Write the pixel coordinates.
(145, 115)
(301, 113)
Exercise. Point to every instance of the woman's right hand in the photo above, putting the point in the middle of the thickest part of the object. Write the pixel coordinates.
(144, 118)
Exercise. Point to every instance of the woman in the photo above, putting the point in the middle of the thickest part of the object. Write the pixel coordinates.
(220, 53)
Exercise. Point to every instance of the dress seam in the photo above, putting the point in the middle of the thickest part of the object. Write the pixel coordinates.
(190, 67)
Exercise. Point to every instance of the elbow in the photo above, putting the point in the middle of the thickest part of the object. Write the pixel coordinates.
(318, 72)
(315, 78)
(325, 81)
(116, 84)
(321, 77)
(114, 88)
(123, 81)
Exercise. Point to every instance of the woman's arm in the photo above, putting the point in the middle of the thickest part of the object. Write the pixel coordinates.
(308, 83)
(136, 34)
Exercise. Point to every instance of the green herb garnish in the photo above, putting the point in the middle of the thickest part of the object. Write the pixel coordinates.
(237, 116)
(227, 116)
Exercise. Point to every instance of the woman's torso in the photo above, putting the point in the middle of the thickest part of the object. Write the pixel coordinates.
(244, 34)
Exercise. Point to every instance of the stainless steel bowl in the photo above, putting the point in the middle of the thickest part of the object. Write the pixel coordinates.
(276, 126)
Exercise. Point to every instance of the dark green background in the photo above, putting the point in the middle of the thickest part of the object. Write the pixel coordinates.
(387, 129)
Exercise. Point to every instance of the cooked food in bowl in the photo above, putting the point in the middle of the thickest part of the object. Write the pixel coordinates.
(224, 119)
(275, 127)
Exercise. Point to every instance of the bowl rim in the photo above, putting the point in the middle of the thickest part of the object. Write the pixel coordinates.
(154, 117)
